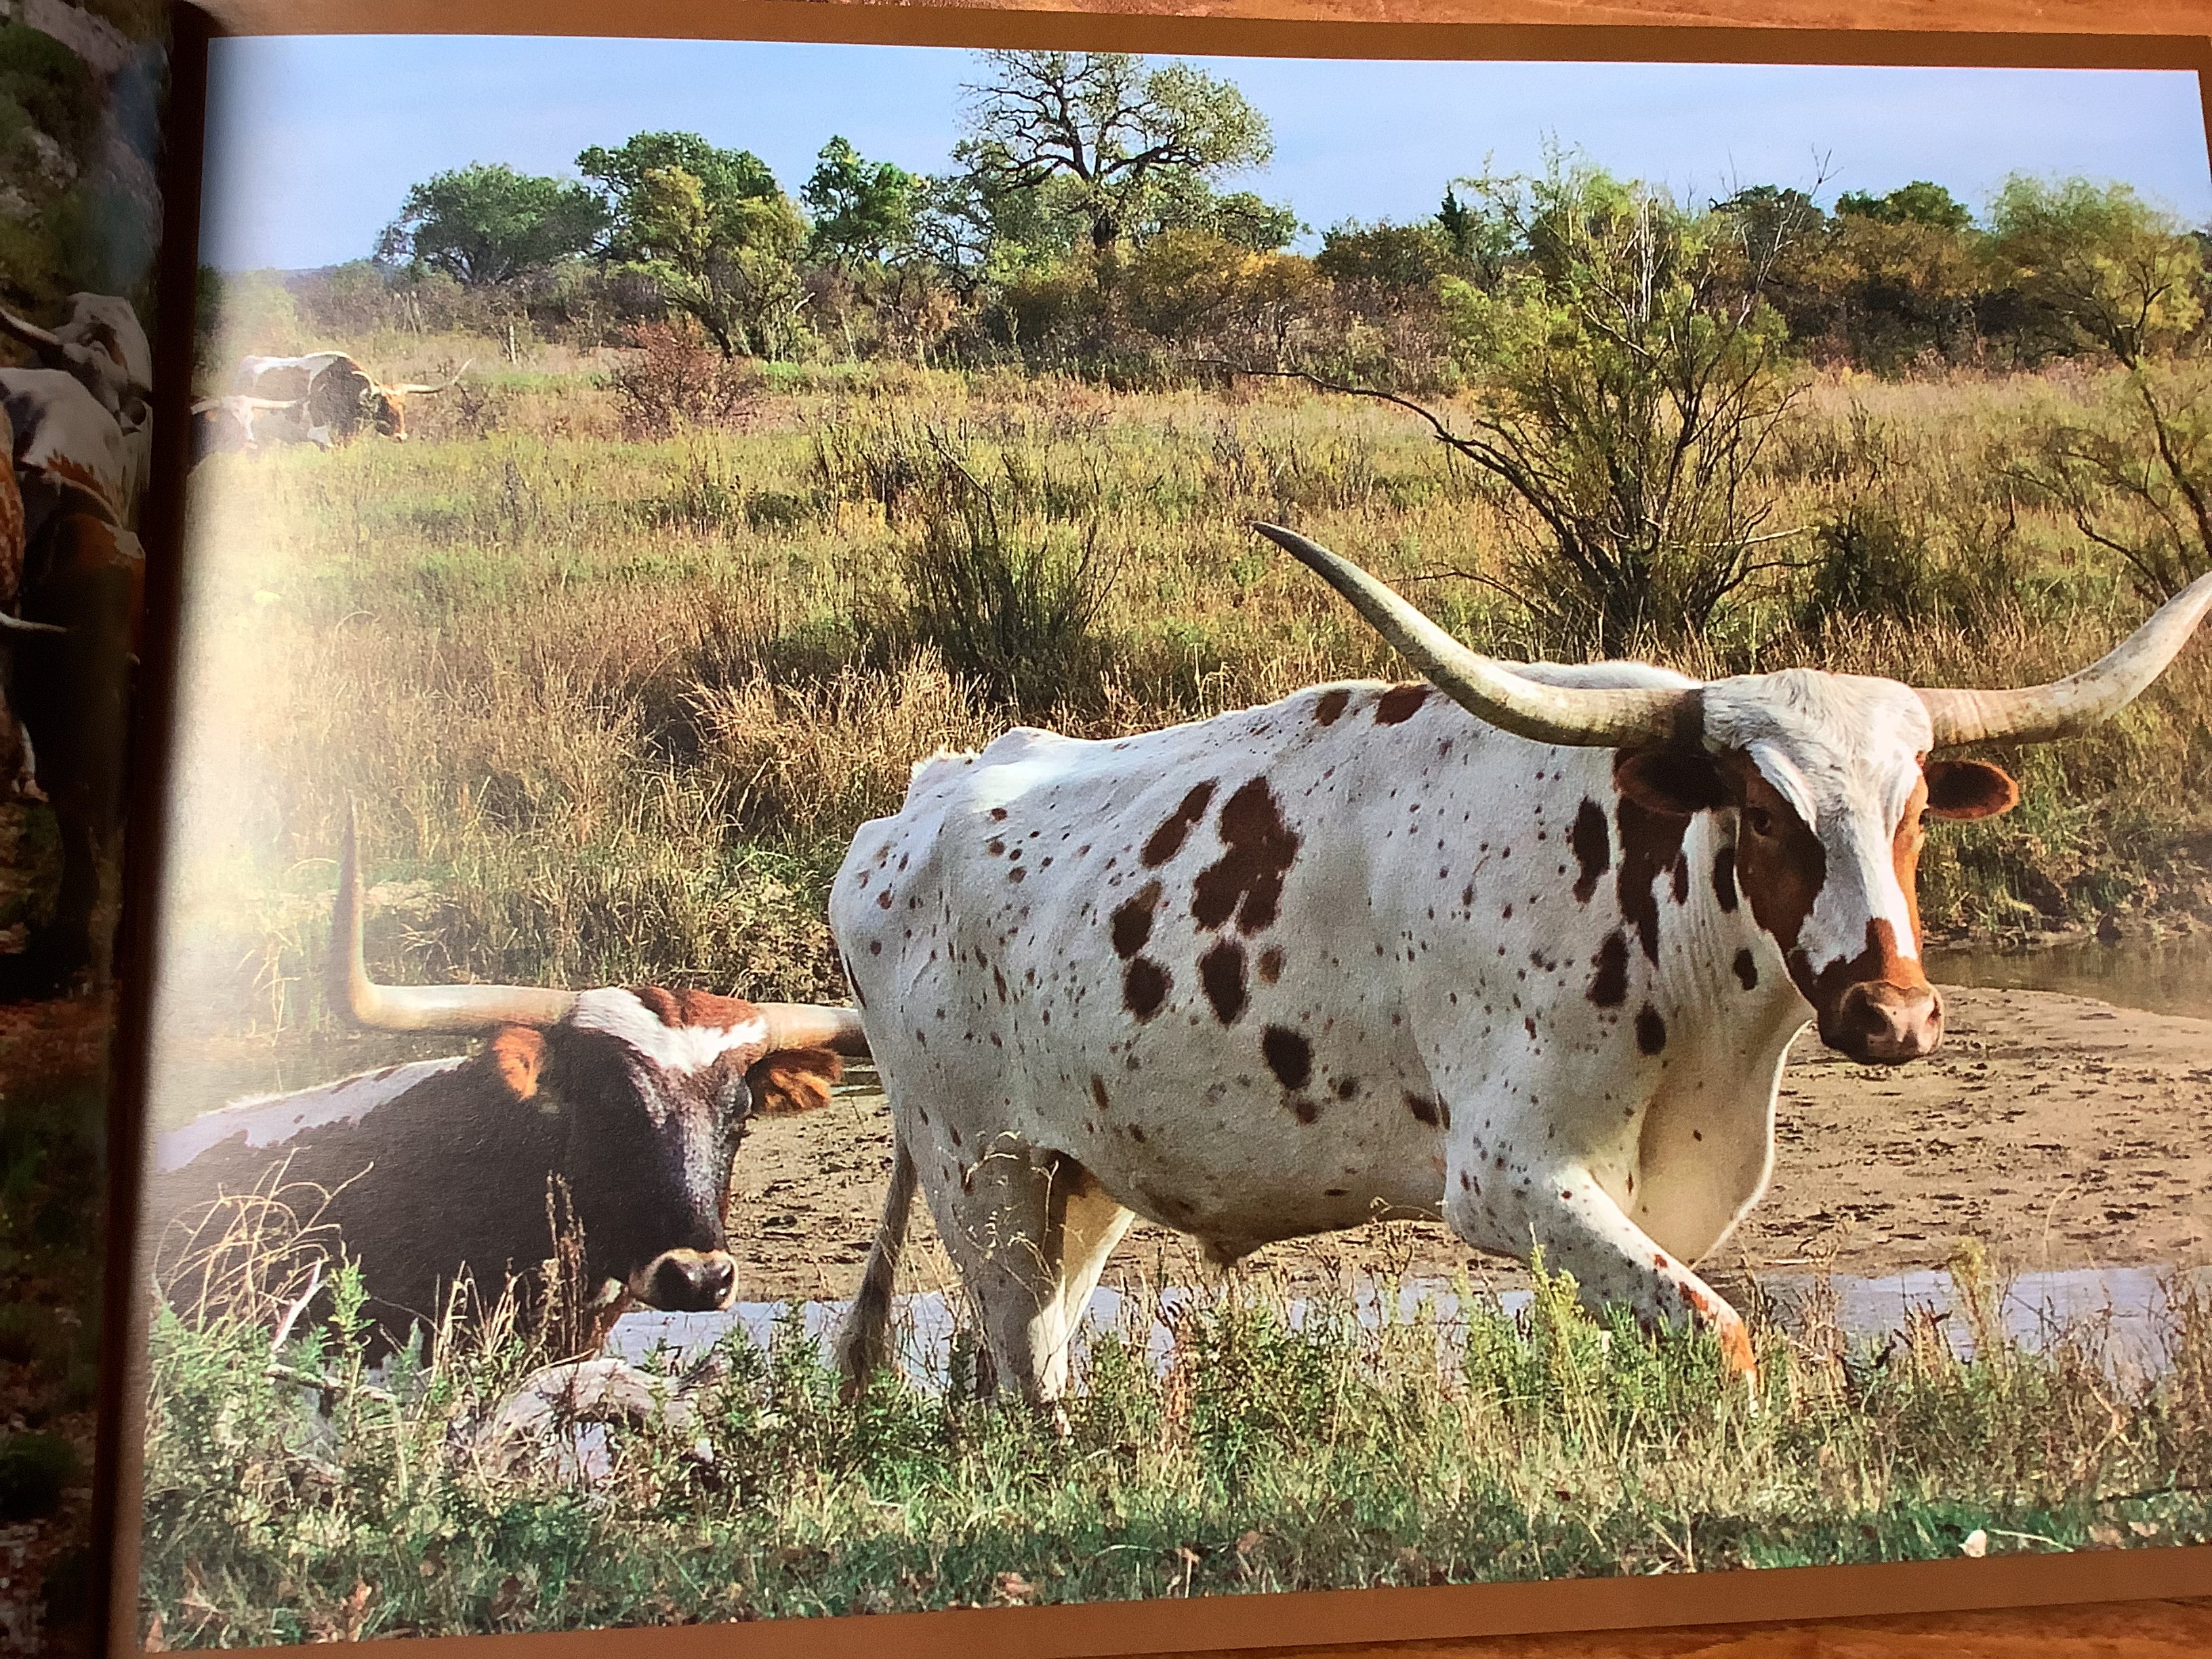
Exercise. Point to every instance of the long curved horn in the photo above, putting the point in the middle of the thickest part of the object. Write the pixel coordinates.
(807, 1025)
(14, 624)
(30, 333)
(1576, 716)
(416, 390)
(419, 1007)
(2037, 713)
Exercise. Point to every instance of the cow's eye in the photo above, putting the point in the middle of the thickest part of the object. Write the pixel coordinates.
(1759, 820)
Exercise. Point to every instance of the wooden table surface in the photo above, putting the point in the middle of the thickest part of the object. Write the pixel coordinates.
(2117, 1629)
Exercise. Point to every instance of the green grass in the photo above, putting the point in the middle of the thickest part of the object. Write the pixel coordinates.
(1269, 1455)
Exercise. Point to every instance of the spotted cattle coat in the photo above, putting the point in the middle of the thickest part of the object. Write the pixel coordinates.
(1355, 954)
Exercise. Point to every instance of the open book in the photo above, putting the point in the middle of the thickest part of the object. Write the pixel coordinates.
(1100, 850)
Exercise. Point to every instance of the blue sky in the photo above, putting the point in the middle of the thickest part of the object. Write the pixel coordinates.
(314, 141)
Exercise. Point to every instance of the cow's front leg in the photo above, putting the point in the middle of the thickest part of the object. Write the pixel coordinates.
(1581, 1232)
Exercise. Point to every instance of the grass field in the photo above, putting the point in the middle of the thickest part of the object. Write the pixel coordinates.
(1268, 1454)
(613, 705)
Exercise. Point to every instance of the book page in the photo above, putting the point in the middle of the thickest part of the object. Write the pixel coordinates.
(1021, 830)
(83, 91)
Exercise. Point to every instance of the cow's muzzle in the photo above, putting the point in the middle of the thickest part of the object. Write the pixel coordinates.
(687, 1281)
(1879, 1023)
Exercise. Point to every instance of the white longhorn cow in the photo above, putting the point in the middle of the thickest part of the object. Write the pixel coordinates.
(1521, 948)
(337, 398)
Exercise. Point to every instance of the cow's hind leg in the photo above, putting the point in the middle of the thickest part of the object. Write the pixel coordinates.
(864, 1346)
(1030, 1231)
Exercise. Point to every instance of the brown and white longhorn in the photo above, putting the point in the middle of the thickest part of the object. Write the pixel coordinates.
(1523, 947)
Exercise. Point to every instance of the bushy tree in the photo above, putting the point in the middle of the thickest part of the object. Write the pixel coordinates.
(1630, 376)
(713, 230)
(487, 224)
(1115, 131)
(1919, 202)
(863, 211)
(2095, 268)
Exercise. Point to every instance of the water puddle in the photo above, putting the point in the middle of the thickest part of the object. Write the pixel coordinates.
(2125, 1311)
(2160, 976)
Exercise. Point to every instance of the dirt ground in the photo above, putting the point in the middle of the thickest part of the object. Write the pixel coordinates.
(2061, 1132)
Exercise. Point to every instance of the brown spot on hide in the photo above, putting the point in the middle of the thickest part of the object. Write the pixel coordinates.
(1331, 706)
(1247, 880)
(1288, 1054)
(1271, 964)
(1144, 987)
(1423, 1108)
(1347, 1087)
(1304, 1110)
(1132, 923)
(1592, 849)
(1650, 846)
(517, 1058)
(700, 1008)
(1400, 703)
(1221, 972)
(1780, 873)
(1747, 971)
(1650, 1030)
(1608, 987)
(1724, 878)
(1098, 1091)
(1167, 841)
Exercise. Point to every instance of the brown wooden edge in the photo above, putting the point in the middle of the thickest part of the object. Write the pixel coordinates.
(1221, 1622)
(118, 1438)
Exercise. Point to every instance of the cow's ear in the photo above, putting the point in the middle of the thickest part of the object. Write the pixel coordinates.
(1969, 789)
(1675, 783)
(793, 1080)
(517, 1059)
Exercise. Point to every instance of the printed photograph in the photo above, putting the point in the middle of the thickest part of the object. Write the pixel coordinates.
(82, 95)
(975, 829)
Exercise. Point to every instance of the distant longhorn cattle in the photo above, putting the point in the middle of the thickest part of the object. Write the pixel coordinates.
(101, 345)
(338, 399)
(634, 1098)
(83, 578)
(1526, 956)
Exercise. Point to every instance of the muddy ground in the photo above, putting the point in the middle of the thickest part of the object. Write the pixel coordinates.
(2062, 1133)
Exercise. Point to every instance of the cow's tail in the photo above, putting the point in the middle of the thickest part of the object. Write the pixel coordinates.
(864, 1347)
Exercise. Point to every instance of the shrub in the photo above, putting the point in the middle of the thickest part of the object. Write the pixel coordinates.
(679, 379)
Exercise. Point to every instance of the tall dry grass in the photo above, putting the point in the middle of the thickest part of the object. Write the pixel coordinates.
(613, 706)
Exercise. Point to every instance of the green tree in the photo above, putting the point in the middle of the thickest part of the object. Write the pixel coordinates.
(863, 211)
(1118, 131)
(2096, 269)
(713, 232)
(1630, 376)
(1919, 202)
(487, 224)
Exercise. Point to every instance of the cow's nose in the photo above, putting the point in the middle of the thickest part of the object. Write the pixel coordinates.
(1885, 1024)
(691, 1281)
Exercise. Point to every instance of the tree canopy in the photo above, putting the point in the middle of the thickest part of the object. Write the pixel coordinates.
(488, 223)
(1118, 131)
